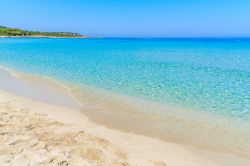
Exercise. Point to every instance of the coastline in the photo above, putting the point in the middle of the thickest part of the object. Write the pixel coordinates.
(138, 148)
(204, 131)
(49, 92)
(49, 37)
(188, 127)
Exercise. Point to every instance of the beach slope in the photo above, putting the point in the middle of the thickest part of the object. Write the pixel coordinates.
(34, 132)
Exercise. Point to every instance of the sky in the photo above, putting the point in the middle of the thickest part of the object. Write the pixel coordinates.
(131, 18)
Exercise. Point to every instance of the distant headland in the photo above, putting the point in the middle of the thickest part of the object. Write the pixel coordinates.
(16, 32)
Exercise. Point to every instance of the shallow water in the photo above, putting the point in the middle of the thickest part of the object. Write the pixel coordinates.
(10, 82)
(193, 91)
(211, 75)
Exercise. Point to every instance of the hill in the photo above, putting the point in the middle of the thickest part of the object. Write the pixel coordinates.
(16, 32)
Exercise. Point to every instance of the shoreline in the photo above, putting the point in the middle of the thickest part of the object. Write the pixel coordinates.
(131, 149)
(52, 92)
(215, 157)
(188, 127)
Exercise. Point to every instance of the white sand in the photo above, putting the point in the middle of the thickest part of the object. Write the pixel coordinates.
(36, 133)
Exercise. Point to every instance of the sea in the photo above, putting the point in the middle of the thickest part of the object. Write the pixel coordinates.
(201, 76)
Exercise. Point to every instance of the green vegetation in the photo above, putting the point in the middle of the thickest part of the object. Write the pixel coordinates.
(15, 32)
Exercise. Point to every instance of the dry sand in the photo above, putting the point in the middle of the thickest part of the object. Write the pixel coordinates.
(36, 133)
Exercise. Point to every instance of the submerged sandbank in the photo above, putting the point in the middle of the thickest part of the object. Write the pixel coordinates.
(190, 127)
(128, 115)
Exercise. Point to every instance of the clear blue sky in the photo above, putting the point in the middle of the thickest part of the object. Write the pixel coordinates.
(131, 18)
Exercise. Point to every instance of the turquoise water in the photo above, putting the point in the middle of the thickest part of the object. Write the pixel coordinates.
(211, 75)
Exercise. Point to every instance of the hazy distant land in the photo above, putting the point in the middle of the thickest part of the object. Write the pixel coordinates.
(16, 32)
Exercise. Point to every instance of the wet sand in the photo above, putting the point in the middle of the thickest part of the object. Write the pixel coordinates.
(53, 94)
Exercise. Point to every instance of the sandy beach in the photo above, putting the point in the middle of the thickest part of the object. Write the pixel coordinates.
(124, 83)
(34, 132)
